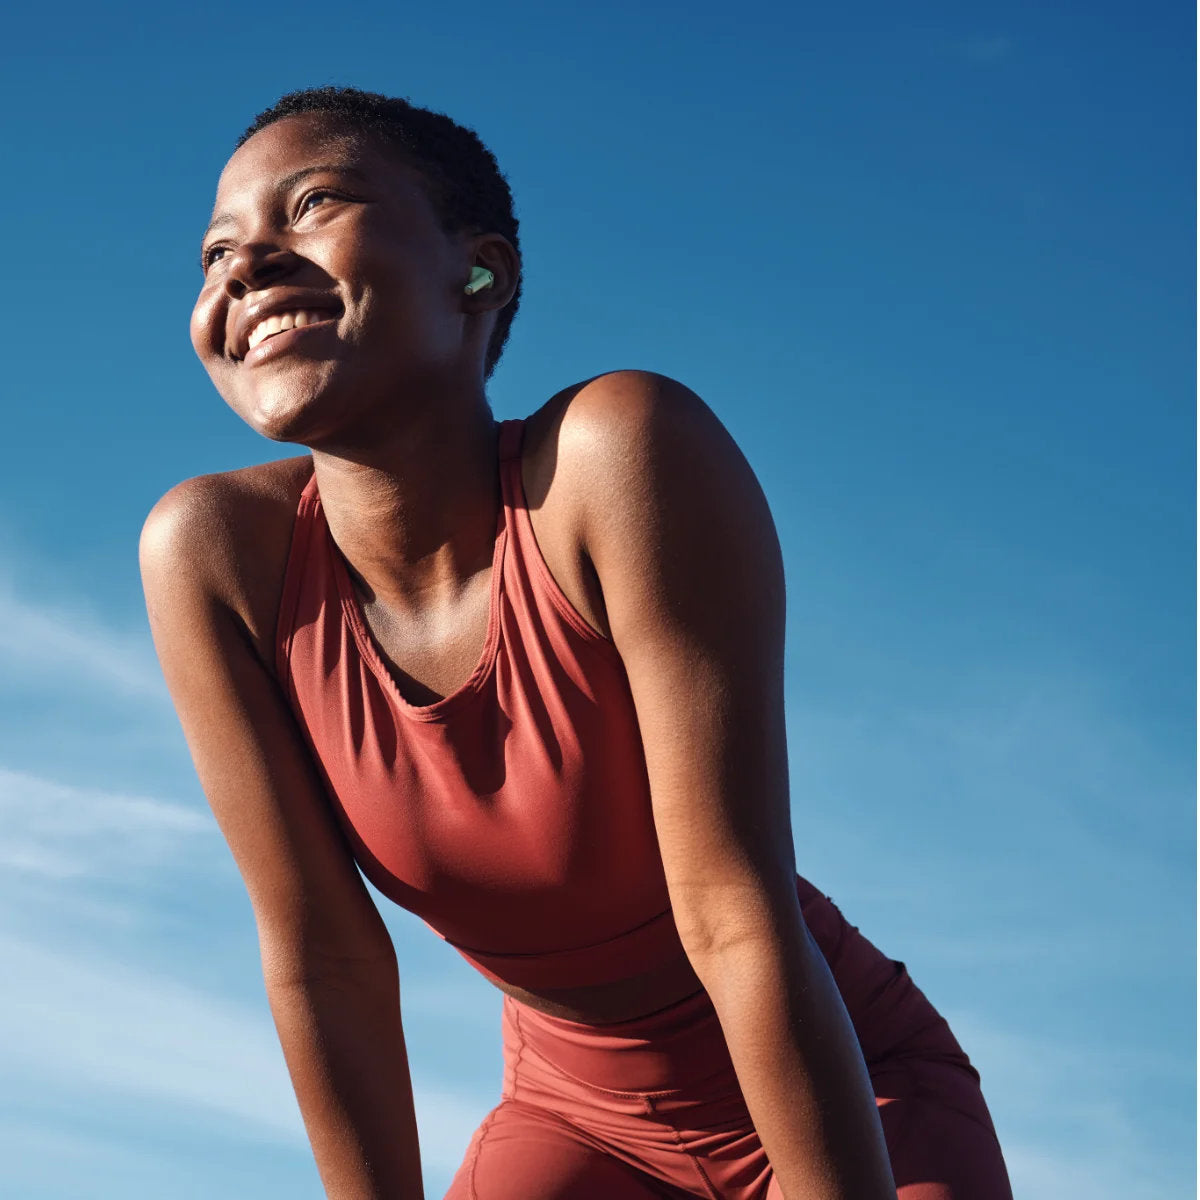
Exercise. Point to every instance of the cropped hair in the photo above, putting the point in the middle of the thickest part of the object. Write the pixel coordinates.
(465, 183)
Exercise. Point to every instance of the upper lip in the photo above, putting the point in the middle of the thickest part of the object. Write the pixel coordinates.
(278, 300)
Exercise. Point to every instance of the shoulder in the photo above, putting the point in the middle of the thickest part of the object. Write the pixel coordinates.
(226, 536)
(645, 487)
(211, 525)
(623, 427)
(621, 411)
(633, 447)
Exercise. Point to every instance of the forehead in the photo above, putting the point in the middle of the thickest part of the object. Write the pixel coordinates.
(300, 143)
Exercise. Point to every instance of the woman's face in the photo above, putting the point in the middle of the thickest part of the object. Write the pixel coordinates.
(328, 233)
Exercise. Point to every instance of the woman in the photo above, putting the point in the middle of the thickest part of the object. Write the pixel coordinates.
(529, 677)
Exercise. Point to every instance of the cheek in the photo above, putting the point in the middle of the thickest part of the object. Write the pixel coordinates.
(207, 327)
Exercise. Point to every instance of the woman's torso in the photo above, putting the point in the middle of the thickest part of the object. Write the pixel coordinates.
(422, 671)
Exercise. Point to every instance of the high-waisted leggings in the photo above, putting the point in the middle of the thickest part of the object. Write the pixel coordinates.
(651, 1109)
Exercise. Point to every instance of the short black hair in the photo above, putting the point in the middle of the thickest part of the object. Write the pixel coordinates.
(465, 182)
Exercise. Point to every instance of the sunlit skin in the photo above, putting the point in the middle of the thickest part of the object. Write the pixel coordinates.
(389, 396)
(649, 520)
(363, 235)
(388, 388)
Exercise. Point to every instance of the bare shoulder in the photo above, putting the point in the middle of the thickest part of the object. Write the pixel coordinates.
(623, 464)
(600, 414)
(630, 432)
(633, 430)
(606, 424)
(227, 534)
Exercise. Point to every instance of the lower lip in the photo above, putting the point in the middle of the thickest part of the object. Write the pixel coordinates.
(281, 343)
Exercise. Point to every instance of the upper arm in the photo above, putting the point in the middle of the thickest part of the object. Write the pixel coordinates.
(313, 912)
(685, 550)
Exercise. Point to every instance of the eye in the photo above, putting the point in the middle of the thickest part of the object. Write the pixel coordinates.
(311, 200)
(212, 254)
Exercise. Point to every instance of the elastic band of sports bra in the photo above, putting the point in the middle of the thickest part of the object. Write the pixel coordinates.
(625, 956)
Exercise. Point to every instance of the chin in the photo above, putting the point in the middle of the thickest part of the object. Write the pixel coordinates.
(289, 407)
(284, 415)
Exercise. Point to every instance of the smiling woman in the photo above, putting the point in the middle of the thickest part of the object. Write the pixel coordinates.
(528, 677)
(387, 246)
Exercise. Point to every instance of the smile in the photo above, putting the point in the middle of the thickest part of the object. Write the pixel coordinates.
(281, 322)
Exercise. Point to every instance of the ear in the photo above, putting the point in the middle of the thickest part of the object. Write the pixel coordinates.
(496, 253)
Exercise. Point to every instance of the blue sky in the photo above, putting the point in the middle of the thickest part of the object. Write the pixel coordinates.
(932, 264)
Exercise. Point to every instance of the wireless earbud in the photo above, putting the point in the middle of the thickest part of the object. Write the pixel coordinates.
(481, 278)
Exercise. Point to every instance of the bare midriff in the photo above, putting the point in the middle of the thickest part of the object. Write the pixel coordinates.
(622, 1000)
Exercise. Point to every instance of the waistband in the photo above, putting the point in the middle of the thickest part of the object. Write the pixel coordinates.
(674, 1048)
(634, 952)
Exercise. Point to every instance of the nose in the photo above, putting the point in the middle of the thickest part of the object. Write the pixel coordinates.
(256, 265)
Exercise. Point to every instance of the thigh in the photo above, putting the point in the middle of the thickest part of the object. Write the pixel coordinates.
(937, 1153)
(521, 1152)
(940, 1154)
(891, 1015)
(939, 1134)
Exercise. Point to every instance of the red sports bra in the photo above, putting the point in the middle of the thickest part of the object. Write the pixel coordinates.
(513, 815)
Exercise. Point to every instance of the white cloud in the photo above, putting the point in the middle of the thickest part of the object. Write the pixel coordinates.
(1038, 775)
(96, 1025)
(69, 1022)
(51, 644)
(63, 832)
(1041, 1173)
(1019, 769)
(1026, 832)
(101, 1025)
(39, 1160)
(1068, 1119)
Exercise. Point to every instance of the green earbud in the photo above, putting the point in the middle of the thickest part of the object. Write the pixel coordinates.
(481, 278)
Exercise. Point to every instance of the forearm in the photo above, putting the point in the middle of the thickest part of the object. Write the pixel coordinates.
(800, 1067)
(344, 1046)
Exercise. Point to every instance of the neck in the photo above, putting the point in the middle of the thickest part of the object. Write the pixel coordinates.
(415, 515)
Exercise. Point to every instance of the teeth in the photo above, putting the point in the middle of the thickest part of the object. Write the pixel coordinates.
(279, 322)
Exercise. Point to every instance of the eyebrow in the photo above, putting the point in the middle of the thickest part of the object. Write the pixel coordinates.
(221, 220)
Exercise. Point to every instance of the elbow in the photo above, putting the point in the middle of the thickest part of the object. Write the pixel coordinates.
(746, 929)
(712, 939)
(706, 941)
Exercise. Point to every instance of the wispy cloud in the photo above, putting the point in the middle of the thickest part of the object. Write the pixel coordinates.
(58, 831)
(1024, 830)
(59, 646)
(1023, 825)
(99, 1023)
(104, 1024)
(1012, 752)
(139, 1032)
(1065, 1129)
(1098, 1172)
(42, 1160)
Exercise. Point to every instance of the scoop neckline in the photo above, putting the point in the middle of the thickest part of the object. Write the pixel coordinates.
(369, 649)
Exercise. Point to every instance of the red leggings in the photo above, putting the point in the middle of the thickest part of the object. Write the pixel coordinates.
(651, 1109)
